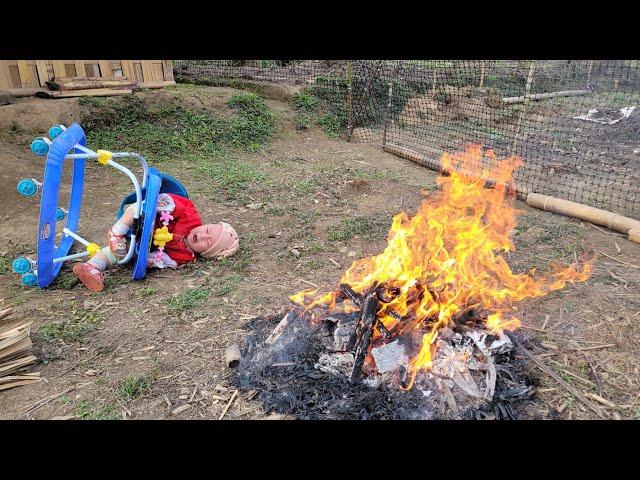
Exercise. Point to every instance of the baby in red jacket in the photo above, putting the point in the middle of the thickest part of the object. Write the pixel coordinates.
(190, 239)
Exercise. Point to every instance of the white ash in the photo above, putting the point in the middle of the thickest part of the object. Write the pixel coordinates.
(335, 363)
(390, 356)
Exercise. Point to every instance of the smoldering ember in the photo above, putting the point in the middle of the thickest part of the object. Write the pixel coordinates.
(427, 329)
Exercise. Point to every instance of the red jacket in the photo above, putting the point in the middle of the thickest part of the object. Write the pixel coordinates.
(185, 219)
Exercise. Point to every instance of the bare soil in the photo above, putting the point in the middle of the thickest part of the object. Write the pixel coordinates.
(312, 186)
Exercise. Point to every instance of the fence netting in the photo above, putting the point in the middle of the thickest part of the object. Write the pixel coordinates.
(574, 123)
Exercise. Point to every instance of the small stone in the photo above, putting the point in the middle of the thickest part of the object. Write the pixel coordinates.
(351, 254)
(254, 206)
(343, 250)
(295, 252)
(90, 373)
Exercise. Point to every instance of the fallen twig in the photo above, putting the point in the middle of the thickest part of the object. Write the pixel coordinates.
(577, 393)
(600, 400)
(224, 412)
(617, 260)
(41, 403)
(596, 347)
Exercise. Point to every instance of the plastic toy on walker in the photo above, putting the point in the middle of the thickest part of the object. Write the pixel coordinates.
(69, 145)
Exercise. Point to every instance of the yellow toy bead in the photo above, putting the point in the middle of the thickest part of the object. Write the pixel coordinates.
(104, 156)
(92, 249)
(162, 236)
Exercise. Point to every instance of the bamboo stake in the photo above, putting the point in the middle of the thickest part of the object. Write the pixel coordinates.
(527, 91)
(482, 68)
(590, 67)
(349, 76)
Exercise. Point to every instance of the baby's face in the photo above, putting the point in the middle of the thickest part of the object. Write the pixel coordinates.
(201, 238)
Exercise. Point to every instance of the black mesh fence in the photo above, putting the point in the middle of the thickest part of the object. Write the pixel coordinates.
(574, 123)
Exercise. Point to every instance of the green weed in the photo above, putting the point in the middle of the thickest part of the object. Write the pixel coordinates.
(189, 299)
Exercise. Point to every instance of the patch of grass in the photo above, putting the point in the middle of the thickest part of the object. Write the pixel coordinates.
(227, 285)
(65, 281)
(5, 265)
(305, 186)
(132, 386)
(189, 299)
(302, 120)
(310, 266)
(231, 176)
(84, 411)
(305, 101)
(72, 328)
(145, 291)
(331, 124)
(369, 228)
(169, 130)
(275, 210)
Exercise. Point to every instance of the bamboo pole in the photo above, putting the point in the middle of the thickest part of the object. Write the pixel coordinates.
(482, 68)
(590, 68)
(387, 114)
(527, 91)
(349, 76)
(612, 221)
(542, 96)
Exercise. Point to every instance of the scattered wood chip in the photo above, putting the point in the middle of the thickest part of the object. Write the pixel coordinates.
(546, 321)
(64, 417)
(224, 412)
(181, 409)
(600, 400)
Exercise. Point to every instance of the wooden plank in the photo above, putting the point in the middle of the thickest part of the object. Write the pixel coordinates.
(105, 69)
(156, 84)
(147, 74)
(167, 67)
(127, 69)
(79, 67)
(43, 74)
(85, 83)
(5, 75)
(157, 71)
(29, 80)
(58, 68)
(93, 92)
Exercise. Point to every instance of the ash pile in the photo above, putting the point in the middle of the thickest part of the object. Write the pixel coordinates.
(331, 369)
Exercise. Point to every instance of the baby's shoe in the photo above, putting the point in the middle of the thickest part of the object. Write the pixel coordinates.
(90, 276)
(117, 244)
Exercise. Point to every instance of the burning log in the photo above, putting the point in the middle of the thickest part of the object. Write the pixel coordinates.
(363, 333)
(351, 295)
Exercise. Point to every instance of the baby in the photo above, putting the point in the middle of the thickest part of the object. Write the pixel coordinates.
(190, 239)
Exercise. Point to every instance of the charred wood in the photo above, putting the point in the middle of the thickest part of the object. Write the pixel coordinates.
(364, 332)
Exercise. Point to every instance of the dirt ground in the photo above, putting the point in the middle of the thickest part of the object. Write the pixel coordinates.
(318, 205)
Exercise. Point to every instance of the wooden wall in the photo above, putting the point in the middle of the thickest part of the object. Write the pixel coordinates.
(33, 74)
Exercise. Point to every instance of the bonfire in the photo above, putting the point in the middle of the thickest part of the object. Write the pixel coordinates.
(445, 266)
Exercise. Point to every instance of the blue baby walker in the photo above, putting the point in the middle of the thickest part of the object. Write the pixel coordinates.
(69, 144)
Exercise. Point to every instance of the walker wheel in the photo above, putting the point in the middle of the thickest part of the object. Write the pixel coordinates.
(21, 265)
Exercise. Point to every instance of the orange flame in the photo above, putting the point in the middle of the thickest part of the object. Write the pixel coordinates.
(447, 257)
